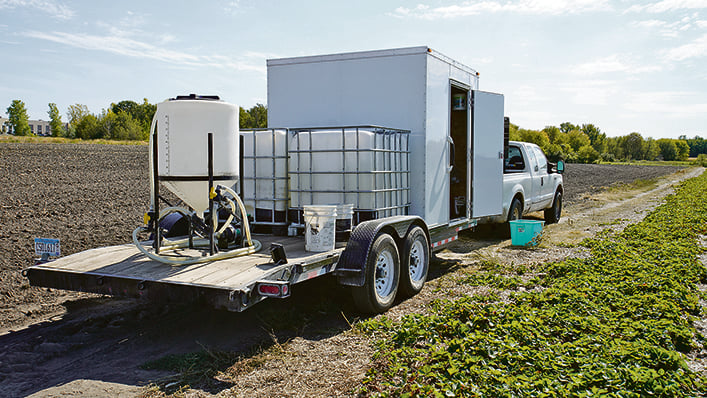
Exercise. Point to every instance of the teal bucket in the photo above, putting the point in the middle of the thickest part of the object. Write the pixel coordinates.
(526, 232)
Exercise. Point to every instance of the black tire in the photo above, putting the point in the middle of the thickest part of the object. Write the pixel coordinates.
(515, 212)
(415, 262)
(553, 214)
(382, 277)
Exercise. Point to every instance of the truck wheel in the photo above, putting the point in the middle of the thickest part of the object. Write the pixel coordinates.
(415, 262)
(515, 212)
(553, 214)
(382, 276)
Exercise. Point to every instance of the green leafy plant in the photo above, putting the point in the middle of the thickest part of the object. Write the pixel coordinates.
(617, 323)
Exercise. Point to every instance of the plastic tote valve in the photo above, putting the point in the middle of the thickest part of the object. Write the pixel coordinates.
(526, 232)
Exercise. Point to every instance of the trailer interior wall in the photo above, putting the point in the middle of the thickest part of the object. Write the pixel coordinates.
(407, 88)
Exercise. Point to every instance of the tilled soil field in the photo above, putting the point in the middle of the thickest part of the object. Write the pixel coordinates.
(94, 195)
(583, 180)
(84, 195)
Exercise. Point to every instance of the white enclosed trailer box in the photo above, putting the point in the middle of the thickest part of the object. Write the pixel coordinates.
(456, 142)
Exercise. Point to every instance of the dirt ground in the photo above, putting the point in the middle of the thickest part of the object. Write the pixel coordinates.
(55, 343)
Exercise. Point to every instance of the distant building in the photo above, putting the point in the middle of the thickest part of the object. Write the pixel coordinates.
(36, 127)
(39, 127)
(5, 127)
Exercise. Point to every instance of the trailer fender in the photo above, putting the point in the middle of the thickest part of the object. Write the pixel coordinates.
(350, 270)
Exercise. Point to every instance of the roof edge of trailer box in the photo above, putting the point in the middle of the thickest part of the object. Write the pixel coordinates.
(369, 54)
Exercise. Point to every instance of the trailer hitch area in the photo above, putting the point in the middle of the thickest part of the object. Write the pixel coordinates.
(278, 289)
(43, 260)
(240, 298)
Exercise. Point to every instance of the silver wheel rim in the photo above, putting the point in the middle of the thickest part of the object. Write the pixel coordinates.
(515, 215)
(385, 274)
(417, 261)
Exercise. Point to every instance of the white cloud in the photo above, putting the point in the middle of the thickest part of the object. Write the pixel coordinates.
(669, 104)
(128, 47)
(592, 92)
(235, 6)
(127, 26)
(166, 38)
(55, 9)
(695, 49)
(651, 23)
(613, 63)
(532, 118)
(113, 44)
(669, 29)
(533, 7)
(527, 94)
(261, 55)
(669, 5)
(701, 24)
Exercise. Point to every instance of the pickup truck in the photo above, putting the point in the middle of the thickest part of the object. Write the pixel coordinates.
(530, 184)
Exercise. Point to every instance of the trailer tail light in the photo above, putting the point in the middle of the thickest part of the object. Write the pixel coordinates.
(273, 289)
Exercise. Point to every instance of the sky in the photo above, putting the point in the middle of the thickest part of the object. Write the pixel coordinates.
(623, 65)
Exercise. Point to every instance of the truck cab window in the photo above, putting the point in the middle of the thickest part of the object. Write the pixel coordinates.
(542, 160)
(514, 161)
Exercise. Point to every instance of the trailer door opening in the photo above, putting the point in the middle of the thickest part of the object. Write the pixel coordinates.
(458, 132)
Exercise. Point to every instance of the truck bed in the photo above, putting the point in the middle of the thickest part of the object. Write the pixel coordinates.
(124, 271)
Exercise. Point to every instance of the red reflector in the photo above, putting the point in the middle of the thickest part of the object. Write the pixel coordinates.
(269, 289)
(285, 290)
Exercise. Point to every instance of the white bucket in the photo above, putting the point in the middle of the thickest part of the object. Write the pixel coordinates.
(320, 228)
(344, 217)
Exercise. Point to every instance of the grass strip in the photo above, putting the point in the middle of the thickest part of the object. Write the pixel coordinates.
(32, 139)
(616, 324)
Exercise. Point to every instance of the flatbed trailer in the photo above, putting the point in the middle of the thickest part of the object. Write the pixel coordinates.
(412, 145)
(234, 284)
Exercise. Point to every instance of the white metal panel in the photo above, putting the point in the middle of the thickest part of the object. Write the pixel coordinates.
(385, 90)
(487, 160)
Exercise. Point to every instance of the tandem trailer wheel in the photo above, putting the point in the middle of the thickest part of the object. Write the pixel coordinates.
(382, 277)
(415, 262)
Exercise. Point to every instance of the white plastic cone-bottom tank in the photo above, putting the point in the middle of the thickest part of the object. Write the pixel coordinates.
(182, 147)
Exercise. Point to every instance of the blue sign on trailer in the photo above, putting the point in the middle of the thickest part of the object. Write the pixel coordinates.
(51, 247)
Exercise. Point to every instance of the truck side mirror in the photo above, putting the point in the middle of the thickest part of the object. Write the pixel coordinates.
(560, 166)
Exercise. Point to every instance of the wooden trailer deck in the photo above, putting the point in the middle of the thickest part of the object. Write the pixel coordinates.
(124, 271)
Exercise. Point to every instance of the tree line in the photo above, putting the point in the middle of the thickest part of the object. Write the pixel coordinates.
(125, 120)
(587, 144)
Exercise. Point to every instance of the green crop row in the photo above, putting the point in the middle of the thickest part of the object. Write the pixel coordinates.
(615, 324)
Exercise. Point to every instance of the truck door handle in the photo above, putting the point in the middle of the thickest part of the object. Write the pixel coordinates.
(542, 181)
(451, 153)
